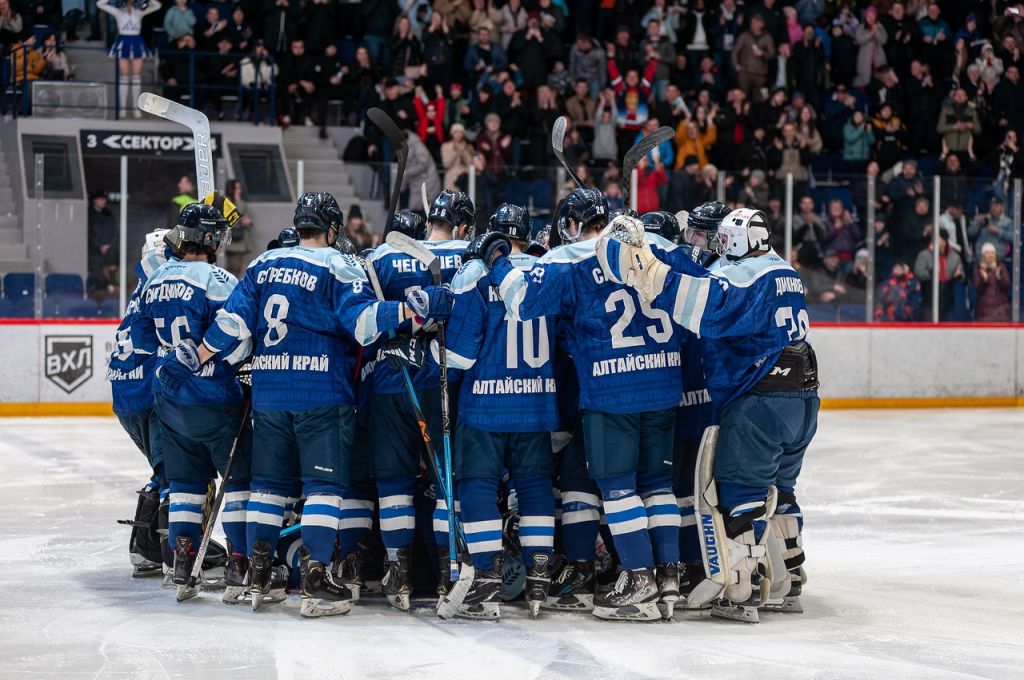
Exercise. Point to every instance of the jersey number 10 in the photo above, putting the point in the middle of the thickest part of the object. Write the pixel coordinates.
(536, 349)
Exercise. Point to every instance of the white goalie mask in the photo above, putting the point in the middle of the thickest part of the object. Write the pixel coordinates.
(743, 232)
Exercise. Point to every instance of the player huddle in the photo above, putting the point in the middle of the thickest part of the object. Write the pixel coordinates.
(613, 426)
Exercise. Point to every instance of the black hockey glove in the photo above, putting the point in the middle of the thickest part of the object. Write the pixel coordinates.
(404, 351)
(488, 247)
(536, 248)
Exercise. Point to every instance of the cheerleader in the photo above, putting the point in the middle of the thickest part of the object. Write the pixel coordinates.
(129, 49)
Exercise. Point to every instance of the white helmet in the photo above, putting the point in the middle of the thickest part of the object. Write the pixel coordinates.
(154, 242)
(743, 232)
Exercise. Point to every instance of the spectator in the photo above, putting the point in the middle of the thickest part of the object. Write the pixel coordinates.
(842, 233)
(883, 247)
(658, 47)
(990, 67)
(670, 20)
(950, 271)
(953, 184)
(1008, 101)
(356, 230)
(532, 49)
(26, 63)
(807, 65)
(430, 120)
(650, 178)
(935, 39)
(129, 49)
(186, 187)
(682, 188)
(221, 74)
(236, 253)
(666, 152)
(485, 56)
(858, 141)
(104, 247)
(439, 50)
(257, 72)
(179, 20)
(753, 155)
(485, 15)
(992, 284)
(899, 296)
(457, 107)
(707, 188)
(543, 112)
(176, 73)
(903, 190)
(790, 155)
(752, 56)
(581, 109)
(954, 222)
(993, 227)
(871, 36)
(552, 17)
(57, 65)
(903, 37)
(421, 169)
(456, 155)
(809, 234)
(419, 13)
(912, 232)
(755, 191)
(807, 129)
(296, 85)
(489, 191)
(821, 278)
(406, 56)
(1009, 161)
(357, 85)
(588, 63)
(213, 26)
(44, 13)
(12, 27)
(690, 141)
(378, 18)
(889, 135)
(240, 30)
(281, 21)
(513, 20)
(958, 124)
(605, 147)
(853, 288)
(631, 94)
(494, 146)
(845, 53)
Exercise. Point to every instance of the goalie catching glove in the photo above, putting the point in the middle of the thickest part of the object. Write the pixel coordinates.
(626, 257)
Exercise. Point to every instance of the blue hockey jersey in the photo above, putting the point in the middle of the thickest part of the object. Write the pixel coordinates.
(745, 313)
(130, 376)
(400, 274)
(509, 380)
(696, 410)
(295, 305)
(178, 303)
(626, 352)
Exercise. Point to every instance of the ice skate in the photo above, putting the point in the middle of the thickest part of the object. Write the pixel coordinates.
(690, 575)
(234, 579)
(572, 588)
(667, 577)
(482, 599)
(396, 581)
(634, 598)
(538, 582)
(790, 604)
(214, 566)
(261, 568)
(745, 612)
(321, 594)
(143, 568)
(350, 572)
(184, 560)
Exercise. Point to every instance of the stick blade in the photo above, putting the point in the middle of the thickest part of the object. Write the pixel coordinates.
(154, 103)
(411, 247)
(558, 134)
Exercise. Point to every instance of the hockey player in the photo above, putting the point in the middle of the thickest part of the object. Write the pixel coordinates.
(507, 410)
(294, 304)
(132, 392)
(628, 364)
(396, 440)
(200, 414)
(762, 375)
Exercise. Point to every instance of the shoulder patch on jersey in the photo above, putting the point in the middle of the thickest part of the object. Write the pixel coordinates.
(570, 252)
(468, 276)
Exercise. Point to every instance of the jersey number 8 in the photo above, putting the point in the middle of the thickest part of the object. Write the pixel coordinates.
(274, 312)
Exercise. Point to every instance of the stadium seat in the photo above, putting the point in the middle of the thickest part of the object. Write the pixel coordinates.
(822, 312)
(851, 313)
(19, 285)
(110, 309)
(65, 286)
(51, 308)
(78, 309)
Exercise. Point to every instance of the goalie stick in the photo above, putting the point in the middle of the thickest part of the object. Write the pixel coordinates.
(557, 142)
(461, 582)
(638, 151)
(401, 149)
(194, 120)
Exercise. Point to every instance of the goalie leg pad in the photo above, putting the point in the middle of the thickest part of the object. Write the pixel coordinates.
(144, 544)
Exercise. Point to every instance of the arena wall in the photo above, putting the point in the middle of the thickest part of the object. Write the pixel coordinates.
(59, 367)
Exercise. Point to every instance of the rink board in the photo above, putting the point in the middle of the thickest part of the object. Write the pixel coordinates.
(59, 367)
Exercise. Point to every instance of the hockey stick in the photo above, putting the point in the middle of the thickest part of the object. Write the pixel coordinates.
(403, 243)
(426, 203)
(401, 148)
(637, 152)
(557, 141)
(194, 120)
(215, 508)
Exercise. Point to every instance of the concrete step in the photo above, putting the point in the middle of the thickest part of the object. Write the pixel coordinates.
(311, 151)
(10, 236)
(5, 180)
(6, 195)
(308, 133)
(16, 265)
(313, 166)
(9, 220)
(340, 192)
(13, 251)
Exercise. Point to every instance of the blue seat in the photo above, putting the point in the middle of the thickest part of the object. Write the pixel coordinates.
(110, 309)
(65, 285)
(822, 312)
(51, 308)
(852, 313)
(19, 285)
(78, 309)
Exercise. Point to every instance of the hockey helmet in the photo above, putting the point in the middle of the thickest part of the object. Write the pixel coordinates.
(662, 223)
(512, 220)
(201, 224)
(581, 209)
(743, 232)
(454, 208)
(318, 210)
(409, 223)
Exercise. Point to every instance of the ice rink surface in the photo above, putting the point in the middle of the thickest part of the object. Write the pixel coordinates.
(914, 537)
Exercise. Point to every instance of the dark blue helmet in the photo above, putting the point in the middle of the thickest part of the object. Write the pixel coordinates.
(702, 224)
(317, 211)
(410, 223)
(286, 239)
(583, 207)
(662, 223)
(454, 208)
(512, 220)
(624, 210)
(201, 224)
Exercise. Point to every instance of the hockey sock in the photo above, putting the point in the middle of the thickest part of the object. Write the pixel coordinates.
(320, 519)
(397, 515)
(441, 521)
(536, 516)
(741, 499)
(124, 94)
(133, 94)
(356, 518)
(581, 520)
(265, 513)
(662, 515)
(627, 521)
(689, 539)
(482, 519)
(185, 516)
(233, 517)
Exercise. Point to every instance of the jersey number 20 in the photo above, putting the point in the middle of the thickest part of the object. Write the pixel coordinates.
(796, 326)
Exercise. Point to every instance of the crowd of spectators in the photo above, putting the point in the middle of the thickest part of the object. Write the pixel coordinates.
(828, 92)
